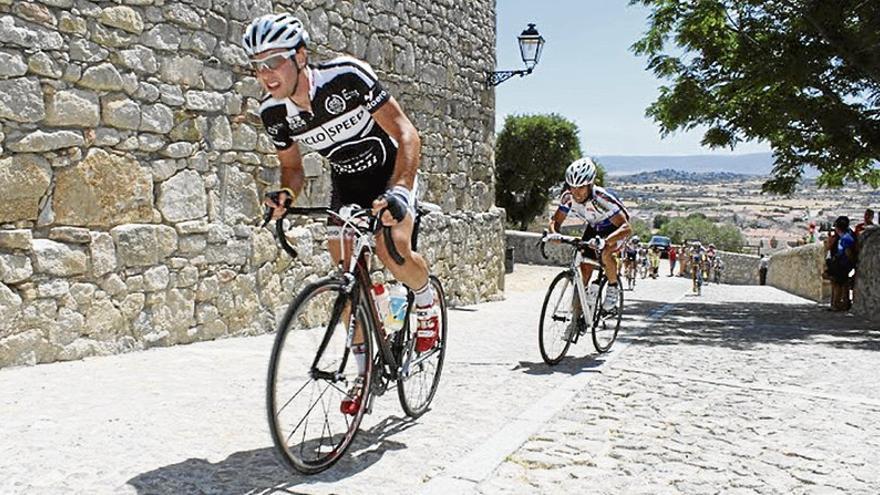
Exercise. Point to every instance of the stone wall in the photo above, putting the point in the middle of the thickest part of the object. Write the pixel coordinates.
(740, 269)
(866, 295)
(132, 163)
(527, 250)
(799, 271)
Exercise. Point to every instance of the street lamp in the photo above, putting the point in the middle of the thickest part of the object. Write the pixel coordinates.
(530, 44)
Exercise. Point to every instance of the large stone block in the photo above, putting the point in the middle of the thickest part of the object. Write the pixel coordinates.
(157, 118)
(55, 258)
(143, 245)
(12, 65)
(102, 77)
(103, 253)
(31, 38)
(240, 203)
(121, 112)
(15, 269)
(75, 108)
(186, 71)
(24, 180)
(21, 99)
(16, 239)
(122, 17)
(10, 304)
(183, 197)
(39, 141)
(103, 190)
(867, 290)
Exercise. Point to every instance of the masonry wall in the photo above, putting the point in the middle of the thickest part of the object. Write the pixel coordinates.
(866, 294)
(799, 271)
(740, 269)
(132, 162)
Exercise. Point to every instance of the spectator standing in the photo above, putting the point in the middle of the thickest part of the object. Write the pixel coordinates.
(868, 221)
(762, 270)
(841, 245)
(672, 256)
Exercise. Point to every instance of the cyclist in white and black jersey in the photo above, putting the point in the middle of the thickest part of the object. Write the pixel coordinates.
(606, 218)
(339, 109)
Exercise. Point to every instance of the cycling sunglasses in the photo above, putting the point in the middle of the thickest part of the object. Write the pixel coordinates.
(271, 62)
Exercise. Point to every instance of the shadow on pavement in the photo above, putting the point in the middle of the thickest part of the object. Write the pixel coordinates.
(742, 325)
(570, 365)
(260, 472)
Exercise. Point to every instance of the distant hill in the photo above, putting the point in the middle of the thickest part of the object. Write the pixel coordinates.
(669, 176)
(749, 164)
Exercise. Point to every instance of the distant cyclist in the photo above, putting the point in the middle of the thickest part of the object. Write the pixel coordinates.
(606, 218)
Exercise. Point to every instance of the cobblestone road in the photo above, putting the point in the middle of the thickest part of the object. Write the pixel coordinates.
(718, 395)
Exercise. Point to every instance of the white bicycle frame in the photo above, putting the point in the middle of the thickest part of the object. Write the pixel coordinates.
(575, 267)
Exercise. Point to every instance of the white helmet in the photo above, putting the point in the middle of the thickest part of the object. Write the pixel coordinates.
(274, 31)
(581, 172)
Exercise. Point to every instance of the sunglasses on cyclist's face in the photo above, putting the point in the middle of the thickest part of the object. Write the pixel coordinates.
(271, 62)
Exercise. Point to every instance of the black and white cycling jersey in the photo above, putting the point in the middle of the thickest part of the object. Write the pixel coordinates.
(344, 93)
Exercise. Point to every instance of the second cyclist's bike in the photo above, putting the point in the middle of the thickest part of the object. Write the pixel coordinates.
(563, 321)
(313, 369)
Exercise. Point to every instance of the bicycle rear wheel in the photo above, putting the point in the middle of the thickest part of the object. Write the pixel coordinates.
(558, 324)
(606, 324)
(422, 370)
(311, 372)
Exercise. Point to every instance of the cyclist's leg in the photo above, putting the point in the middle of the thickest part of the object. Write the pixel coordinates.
(414, 270)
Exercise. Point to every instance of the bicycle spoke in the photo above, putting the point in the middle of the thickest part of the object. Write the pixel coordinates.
(306, 416)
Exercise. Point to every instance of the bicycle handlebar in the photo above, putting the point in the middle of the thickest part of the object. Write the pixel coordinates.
(374, 225)
(577, 242)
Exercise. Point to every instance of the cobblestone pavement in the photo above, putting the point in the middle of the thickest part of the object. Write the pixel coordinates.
(744, 390)
(717, 395)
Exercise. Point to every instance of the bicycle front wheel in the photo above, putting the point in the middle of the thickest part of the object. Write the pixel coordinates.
(559, 323)
(311, 371)
(421, 370)
(606, 324)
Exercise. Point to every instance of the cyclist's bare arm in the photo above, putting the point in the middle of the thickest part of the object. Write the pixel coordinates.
(623, 229)
(292, 177)
(393, 121)
(556, 222)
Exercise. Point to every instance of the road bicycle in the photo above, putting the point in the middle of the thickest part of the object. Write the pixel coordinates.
(312, 368)
(562, 321)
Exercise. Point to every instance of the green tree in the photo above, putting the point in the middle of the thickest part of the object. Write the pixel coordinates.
(802, 75)
(640, 228)
(531, 154)
(696, 226)
(659, 221)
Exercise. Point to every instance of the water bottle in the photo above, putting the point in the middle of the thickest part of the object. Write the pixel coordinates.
(396, 307)
(381, 297)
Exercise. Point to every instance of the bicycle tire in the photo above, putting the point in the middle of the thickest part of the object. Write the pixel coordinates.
(291, 364)
(605, 324)
(551, 355)
(412, 406)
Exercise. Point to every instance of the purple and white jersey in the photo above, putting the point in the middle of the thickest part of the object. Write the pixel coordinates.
(597, 211)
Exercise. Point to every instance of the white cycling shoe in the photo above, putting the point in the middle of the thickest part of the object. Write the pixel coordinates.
(611, 296)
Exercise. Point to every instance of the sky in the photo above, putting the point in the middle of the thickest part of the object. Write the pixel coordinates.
(588, 74)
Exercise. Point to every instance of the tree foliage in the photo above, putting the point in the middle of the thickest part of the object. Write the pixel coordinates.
(802, 75)
(531, 154)
(640, 228)
(697, 227)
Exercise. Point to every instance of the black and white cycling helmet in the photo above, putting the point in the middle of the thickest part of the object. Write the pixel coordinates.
(274, 31)
(581, 172)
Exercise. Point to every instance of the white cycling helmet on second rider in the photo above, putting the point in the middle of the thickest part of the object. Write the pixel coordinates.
(581, 172)
(273, 31)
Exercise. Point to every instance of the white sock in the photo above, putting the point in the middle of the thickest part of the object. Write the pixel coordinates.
(425, 295)
(360, 358)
